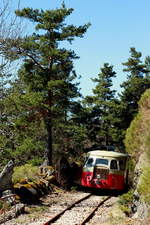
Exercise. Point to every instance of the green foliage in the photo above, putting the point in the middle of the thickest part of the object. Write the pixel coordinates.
(40, 111)
(47, 74)
(26, 171)
(22, 138)
(133, 135)
(147, 144)
(138, 80)
(145, 99)
(99, 107)
(125, 202)
(144, 105)
(36, 161)
(137, 143)
(138, 134)
(27, 149)
(41, 100)
(69, 139)
(143, 187)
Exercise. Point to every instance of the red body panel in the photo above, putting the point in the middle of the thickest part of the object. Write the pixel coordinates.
(113, 181)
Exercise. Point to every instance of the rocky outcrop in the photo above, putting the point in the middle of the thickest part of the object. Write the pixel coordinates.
(31, 191)
(138, 145)
(6, 176)
(64, 173)
(139, 207)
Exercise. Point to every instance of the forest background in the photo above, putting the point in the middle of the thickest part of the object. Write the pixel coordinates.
(43, 113)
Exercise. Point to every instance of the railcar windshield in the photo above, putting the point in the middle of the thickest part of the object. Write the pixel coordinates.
(101, 161)
(96, 161)
(89, 162)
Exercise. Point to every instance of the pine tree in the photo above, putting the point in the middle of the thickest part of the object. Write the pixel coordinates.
(101, 104)
(138, 80)
(47, 71)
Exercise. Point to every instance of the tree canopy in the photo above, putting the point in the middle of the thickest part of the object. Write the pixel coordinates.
(42, 110)
(47, 73)
(100, 104)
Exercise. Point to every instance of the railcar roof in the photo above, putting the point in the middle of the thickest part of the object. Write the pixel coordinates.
(107, 154)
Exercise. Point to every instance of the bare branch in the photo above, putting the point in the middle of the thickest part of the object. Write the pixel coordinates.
(11, 27)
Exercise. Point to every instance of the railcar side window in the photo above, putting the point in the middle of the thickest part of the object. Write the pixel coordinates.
(122, 164)
(101, 161)
(89, 162)
(113, 165)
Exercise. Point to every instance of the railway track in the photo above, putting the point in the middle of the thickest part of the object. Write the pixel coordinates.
(80, 212)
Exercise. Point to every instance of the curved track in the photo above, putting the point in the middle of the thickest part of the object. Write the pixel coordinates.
(88, 203)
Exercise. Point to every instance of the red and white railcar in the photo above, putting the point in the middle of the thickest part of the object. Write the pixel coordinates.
(105, 170)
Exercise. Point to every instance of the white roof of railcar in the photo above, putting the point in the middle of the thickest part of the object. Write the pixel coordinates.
(101, 153)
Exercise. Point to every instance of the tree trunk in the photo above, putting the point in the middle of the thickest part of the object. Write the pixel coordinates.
(48, 123)
(49, 149)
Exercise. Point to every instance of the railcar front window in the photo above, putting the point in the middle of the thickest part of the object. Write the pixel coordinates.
(101, 161)
(89, 162)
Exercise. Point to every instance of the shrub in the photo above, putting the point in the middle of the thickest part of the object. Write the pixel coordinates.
(144, 185)
(125, 202)
(26, 171)
(36, 161)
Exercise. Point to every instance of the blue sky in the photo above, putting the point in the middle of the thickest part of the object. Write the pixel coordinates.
(116, 26)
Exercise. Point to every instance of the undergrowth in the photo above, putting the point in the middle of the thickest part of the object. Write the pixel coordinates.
(144, 186)
(125, 202)
(25, 172)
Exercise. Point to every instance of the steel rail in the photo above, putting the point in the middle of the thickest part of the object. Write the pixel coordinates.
(93, 212)
(53, 219)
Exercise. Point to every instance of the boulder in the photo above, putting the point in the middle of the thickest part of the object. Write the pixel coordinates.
(6, 176)
(64, 173)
